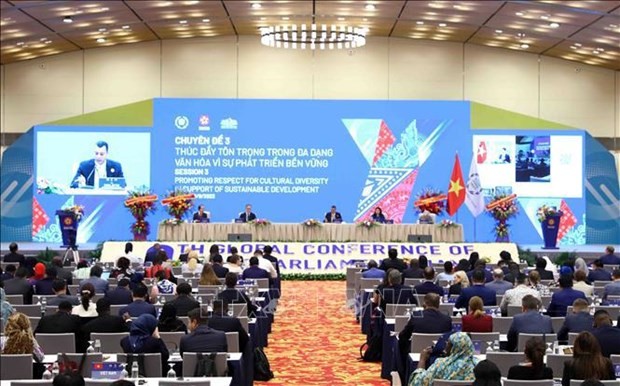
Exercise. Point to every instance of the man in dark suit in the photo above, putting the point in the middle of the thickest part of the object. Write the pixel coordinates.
(233, 295)
(91, 171)
(393, 262)
(541, 264)
(414, 271)
(609, 257)
(13, 256)
(429, 322)
(608, 336)
(530, 321)
(201, 215)
(218, 268)
(9, 273)
(184, 302)
(477, 289)
(373, 271)
(105, 322)
(598, 272)
(152, 252)
(45, 285)
(333, 216)
(580, 320)
(63, 322)
(121, 294)
(101, 286)
(429, 285)
(221, 322)
(139, 306)
(395, 292)
(19, 285)
(267, 251)
(202, 338)
(60, 290)
(61, 271)
(247, 215)
(565, 297)
(481, 265)
(254, 272)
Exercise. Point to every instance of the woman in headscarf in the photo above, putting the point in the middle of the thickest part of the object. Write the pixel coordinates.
(168, 321)
(458, 365)
(5, 307)
(580, 265)
(144, 338)
(39, 273)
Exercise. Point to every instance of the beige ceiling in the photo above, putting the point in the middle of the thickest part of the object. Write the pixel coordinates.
(588, 31)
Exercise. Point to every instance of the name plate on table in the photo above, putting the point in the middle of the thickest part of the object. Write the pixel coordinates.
(457, 327)
(112, 183)
(617, 370)
(107, 370)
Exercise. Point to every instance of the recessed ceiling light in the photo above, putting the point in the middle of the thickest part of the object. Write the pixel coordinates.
(554, 25)
(520, 13)
(102, 29)
(126, 27)
(613, 26)
(47, 41)
(573, 47)
(578, 44)
(206, 20)
(544, 17)
(596, 52)
(67, 19)
(104, 9)
(600, 49)
(20, 43)
(182, 21)
(364, 19)
(520, 35)
(524, 46)
(442, 24)
(285, 18)
(263, 18)
(43, 39)
(370, 7)
(499, 31)
(419, 22)
(341, 19)
(256, 5)
(101, 40)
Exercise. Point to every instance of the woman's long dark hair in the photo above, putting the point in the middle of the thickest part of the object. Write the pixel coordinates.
(88, 291)
(535, 350)
(588, 362)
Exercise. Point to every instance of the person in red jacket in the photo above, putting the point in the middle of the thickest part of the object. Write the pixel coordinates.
(477, 320)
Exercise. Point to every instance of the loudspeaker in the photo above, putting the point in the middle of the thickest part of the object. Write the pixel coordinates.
(239, 237)
(420, 238)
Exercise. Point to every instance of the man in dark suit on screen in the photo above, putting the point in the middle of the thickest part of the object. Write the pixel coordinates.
(247, 215)
(333, 216)
(91, 171)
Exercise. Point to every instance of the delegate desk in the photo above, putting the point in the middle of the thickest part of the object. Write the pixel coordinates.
(215, 381)
(300, 232)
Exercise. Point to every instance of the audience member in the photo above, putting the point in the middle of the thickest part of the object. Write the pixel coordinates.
(394, 292)
(14, 256)
(609, 258)
(162, 287)
(133, 258)
(477, 320)
(202, 338)
(233, 264)
(463, 265)
(607, 335)
(541, 264)
(68, 379)
(192, 266)
(38, 274)
(265, 264)
(579, 283)
(159, 265)
(82, 271)
(534, 367)
(18, 338)
(513, 272)
(44, 285)
(255, 272)
(121, 295)
(460, 281)
(373, 271)
(267, 254)
(5, 307)
(579, 320)
(101, 286)
(457, 365)
(473, 259)
(9, 272)
(482, 266)
(564, 298)
(613, 288)
(152, 253)
(530, 321)
(218, 268)
(62, 322)
(220, 321)
(139, 305)
(144, 339)
(430, 321)
(19, 285)
(477, 289)
(61, 271)
(414, 271)
(208, 276)
(580, 265)
(123, 269)
(86, 309)
(429, 284)
(486, 373)
(587, 362)
(60, 290)
(423, 261)
(598, 272)
(105, 322)
(498, 285)
(393, 262)
(514, 297)
(447, 274)
(184, 302)
(543, 290)
(168, 320)
(233, 295)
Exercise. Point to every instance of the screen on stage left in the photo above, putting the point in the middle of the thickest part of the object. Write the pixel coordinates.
(80, 162)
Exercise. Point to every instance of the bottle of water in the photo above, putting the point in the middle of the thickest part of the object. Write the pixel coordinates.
(135, 371)
(445, 297)
(47, 374)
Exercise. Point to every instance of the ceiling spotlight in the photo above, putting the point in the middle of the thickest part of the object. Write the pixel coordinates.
(19, 44)
(600, 49)
(47, 41)
(341, 19)
(443, 25)
(596, 52)
(578, 44)
(206, 20)
(101, 40)
(524, 46)
(554, 25)
(182, 21)
(520, 35)
(104, 9)
(126, 27)
(520, 13)
(285, 18)
(67, 19)
(256, 5)
(370, 7)
(544, 17)
(102, 29)
(499, 31)
(419, 22)
(573, 47)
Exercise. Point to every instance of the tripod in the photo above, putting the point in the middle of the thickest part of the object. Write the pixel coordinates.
(71, 254)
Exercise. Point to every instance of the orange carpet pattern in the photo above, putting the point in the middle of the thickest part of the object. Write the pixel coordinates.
(315, 339)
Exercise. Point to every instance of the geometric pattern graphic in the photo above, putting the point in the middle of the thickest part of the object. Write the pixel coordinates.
(570, 232)
(39, 217)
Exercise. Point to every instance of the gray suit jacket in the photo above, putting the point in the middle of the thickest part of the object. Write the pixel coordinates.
(531, 322)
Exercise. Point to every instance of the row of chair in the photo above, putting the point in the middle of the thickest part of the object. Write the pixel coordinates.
(396, 381)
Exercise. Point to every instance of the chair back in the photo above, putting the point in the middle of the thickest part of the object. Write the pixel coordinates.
(190, 359)
(369, 283)
(209, 289)
(556, 363)
(110, 341)
(57, 343)
(30, 382)
(396, 379)
(571, 337)
(232, 340)
(96, 382)
(184, 382)
(613, 311)
(245, 323)
(400, 323)
(444, 382)
(557, 322)
(238, 309)
(502, 324)
(172, 339)
(262, 283)
(89, 359)
(578, 382)
(14, 299)
(446, 308)
(421, 341)
(413, 281)
(394, 310)
(116, 308)
(152, 364)
(28, 309)
(15, 366)
(177, 271)
(514, 310)
(505, 360)
(167, 297)
(498, 299)
(545, 300)
(524, 337)
(34, 322)
(542, 382)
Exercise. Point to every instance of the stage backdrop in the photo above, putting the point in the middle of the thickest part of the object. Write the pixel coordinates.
(293, 159)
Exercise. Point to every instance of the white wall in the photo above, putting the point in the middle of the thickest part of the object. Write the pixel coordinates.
(45, 89)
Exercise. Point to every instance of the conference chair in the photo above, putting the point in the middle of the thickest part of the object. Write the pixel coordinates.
(57, 343)
(15, 366)
(368, 284)
(238, 309)
(209, 289)
(484, 338)
(396, 379)
(615, 359)
(185, 319)
(116, 308)
(578, 382)
(74, 289)
(88, 361)
(514, 382)
(545, 300)
(413, 281)
(421, 341)
(400, 323)
(152, 364)
(447, 309)
(262, 283)
(28, 309)
(190, 359)
(184, 382)
(546, 282)
(557, 322)
(172, 339)
(32, 382)
(613, 311)
(110, 341)
(502, 324)
(505, 360)
(444, 382)
(232, 340)
(165, 298)
(513, 310)
(610, 267)
(190, 275)
(177, 271)
(394, 310)
(498, 299)
(571, 337)
(444, 283)
(556, 363)
(14, 299)
(524, 337)
(97, 382)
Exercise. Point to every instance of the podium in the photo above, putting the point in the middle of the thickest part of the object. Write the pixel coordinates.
(68, 229)
(550, 228)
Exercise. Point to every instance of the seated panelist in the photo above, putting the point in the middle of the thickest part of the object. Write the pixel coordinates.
(201, 215)
(247, 215)
(333, 216)
(378, 216)
(91, 171)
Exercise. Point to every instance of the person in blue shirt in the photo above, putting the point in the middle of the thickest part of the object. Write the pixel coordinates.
(333, 216)
(254, 271)
(499, 285)
(477, 289)
(378, 216)
(373, 272)
(613, 288)
(428, 285)
(565, 297)
(139, 305)
(580, 320)
(609, 258)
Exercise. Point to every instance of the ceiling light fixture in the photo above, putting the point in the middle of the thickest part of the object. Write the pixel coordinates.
(313, 36)
(370, 7)
(256, 5)
(206, 20)
(101, 40)
(126, 27)
(499, 31)
(520, 13)
(578, 44)
(443, 25)
(419, 22)
(554, 25)
(573, 47)
(341, 18)
(102, 29)
(596, 52)
(286, 18)
(524, 46)
(544, 17)
(182, 21)
(67, 19)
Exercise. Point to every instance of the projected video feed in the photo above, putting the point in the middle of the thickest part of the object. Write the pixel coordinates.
(533, 166)
(75, 162)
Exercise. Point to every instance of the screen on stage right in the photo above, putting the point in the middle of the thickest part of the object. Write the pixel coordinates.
(530, 165)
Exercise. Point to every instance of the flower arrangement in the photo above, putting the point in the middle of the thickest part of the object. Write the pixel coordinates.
(172, 221)
(76, 210)
(431, 200)
(260, 222)
(140, 228)
(45, 186)
(178, 203)
(545, 212)
(368, 224)
(447, 224)
(501, 208)
(312, 223)
(140, 203)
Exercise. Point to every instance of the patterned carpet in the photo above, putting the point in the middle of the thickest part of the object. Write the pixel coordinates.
(315, 339)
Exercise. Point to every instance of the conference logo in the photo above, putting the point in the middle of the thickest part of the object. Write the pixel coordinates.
(181, 122)
(229, 124)
(481, 153)
(203, 124)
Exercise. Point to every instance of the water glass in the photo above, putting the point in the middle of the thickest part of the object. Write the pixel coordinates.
(171, 373)
(90, 348)
(549, 347)
(97, 345)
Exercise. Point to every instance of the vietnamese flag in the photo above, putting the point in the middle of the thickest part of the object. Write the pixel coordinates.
(456, 191)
